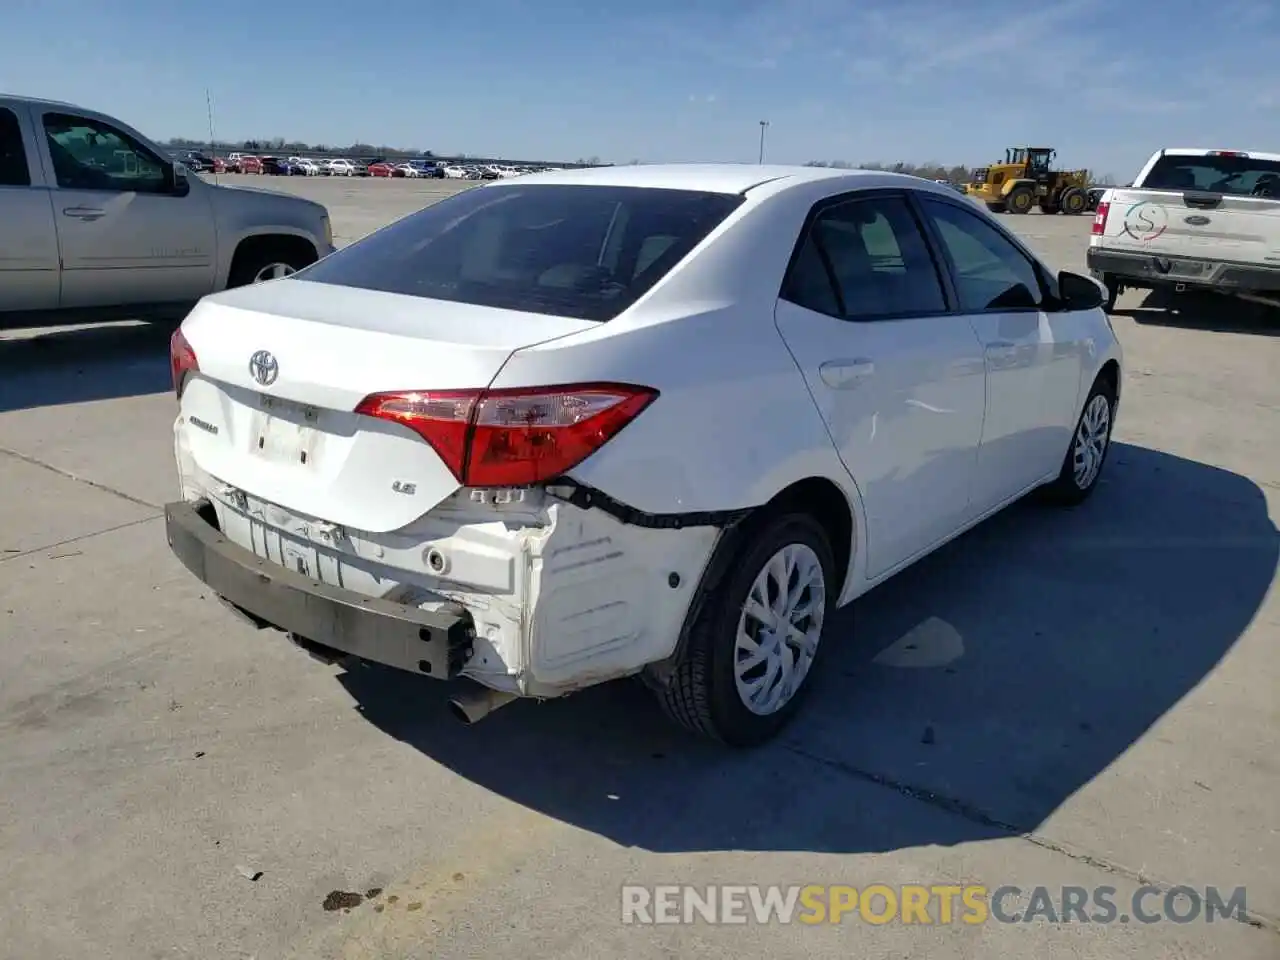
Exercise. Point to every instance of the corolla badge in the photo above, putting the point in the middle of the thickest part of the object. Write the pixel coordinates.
(264, 368)
(1196, 220)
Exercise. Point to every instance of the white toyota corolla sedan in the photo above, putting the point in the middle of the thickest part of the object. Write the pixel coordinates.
(654, 420)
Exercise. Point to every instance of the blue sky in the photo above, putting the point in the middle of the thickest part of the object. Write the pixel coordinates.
(857, 80)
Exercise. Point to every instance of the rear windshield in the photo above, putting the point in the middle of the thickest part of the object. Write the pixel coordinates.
(579, 251)
(1241, 176)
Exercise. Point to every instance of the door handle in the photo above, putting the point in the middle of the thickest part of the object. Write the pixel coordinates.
(87, 214)
(846, 374)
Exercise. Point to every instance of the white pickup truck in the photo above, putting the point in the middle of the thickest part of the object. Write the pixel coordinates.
(96, 219)
(1193, 220)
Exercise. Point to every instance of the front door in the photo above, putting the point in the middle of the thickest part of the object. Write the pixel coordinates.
(1033, 356)
(898, 380)
(126, 236)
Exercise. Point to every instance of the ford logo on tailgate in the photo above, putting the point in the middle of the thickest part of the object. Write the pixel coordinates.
(1196, 220)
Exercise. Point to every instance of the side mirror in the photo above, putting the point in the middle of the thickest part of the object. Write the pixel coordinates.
(1078, 292)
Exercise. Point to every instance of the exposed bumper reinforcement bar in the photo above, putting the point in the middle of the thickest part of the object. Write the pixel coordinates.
(427, 642)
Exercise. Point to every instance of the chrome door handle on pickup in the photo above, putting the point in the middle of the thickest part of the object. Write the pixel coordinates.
(87, 214)
(846, 374)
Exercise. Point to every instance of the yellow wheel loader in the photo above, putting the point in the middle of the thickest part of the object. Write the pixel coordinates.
(1025, 180)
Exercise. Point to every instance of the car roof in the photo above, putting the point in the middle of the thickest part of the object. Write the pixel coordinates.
(19, 98)
(708, 177)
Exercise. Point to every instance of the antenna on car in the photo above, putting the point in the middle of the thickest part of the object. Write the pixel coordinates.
(213, 144)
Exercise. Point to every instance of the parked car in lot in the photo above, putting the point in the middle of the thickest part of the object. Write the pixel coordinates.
(195, 161)
(277, 167)
(381, 168)
(1206, 220)
(98, 220)
(243, 163)
(347, 168)
(308, 168)
(655, 420)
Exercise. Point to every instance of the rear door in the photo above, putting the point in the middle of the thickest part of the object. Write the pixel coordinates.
(1215, 205)
(28, 239)
(896, 375)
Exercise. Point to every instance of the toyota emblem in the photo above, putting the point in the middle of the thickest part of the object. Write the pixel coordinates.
(264, 368)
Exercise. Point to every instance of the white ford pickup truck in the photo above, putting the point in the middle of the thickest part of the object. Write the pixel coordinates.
(1193, 220)
(96, 219)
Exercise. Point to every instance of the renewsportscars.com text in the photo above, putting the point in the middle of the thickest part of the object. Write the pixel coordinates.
(927, 904)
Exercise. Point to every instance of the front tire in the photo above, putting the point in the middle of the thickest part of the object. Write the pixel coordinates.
(750, 653)
(270, 261)
(1020, 200)
(1090, 443)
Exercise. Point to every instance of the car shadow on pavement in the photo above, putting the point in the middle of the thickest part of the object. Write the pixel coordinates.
(82, 364)
(1204, 311)
(986, 685)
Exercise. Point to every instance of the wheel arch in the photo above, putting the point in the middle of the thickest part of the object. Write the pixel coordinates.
(837, 510)
(1010, 185)
(276, 238)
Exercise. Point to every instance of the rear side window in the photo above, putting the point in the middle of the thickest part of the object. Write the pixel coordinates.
(14, 171)
(865, 260)
(579, 251)
(1239, 176)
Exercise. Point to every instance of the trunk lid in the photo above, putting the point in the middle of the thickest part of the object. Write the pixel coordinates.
(296, 441)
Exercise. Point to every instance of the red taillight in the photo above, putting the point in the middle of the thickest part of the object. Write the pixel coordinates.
(1228, 153)
(513, 438)
(182, 360)
(1100, 219)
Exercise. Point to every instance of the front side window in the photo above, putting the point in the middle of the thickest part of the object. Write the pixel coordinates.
(581, 251)
(14, 171)
(866, 260)
(91, 155)
(990, 272)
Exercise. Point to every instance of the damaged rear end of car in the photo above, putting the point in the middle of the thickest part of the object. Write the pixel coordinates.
(355, 472)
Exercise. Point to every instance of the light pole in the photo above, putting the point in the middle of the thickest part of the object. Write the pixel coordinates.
(763, 125)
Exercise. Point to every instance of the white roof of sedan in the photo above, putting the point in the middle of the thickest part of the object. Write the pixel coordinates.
(711, 177)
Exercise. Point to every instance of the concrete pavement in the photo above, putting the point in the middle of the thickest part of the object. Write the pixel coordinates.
(1084, 698)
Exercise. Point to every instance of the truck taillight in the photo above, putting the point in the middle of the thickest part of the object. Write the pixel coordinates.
(182, 361)
(1100, 219)
(513, 438)
(1228, 153)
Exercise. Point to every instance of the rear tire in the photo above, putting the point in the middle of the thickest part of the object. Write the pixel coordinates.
(1020, 200)
(738, 681)
(1087, 453)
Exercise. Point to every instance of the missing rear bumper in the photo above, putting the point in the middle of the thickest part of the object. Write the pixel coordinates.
(427, 642)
